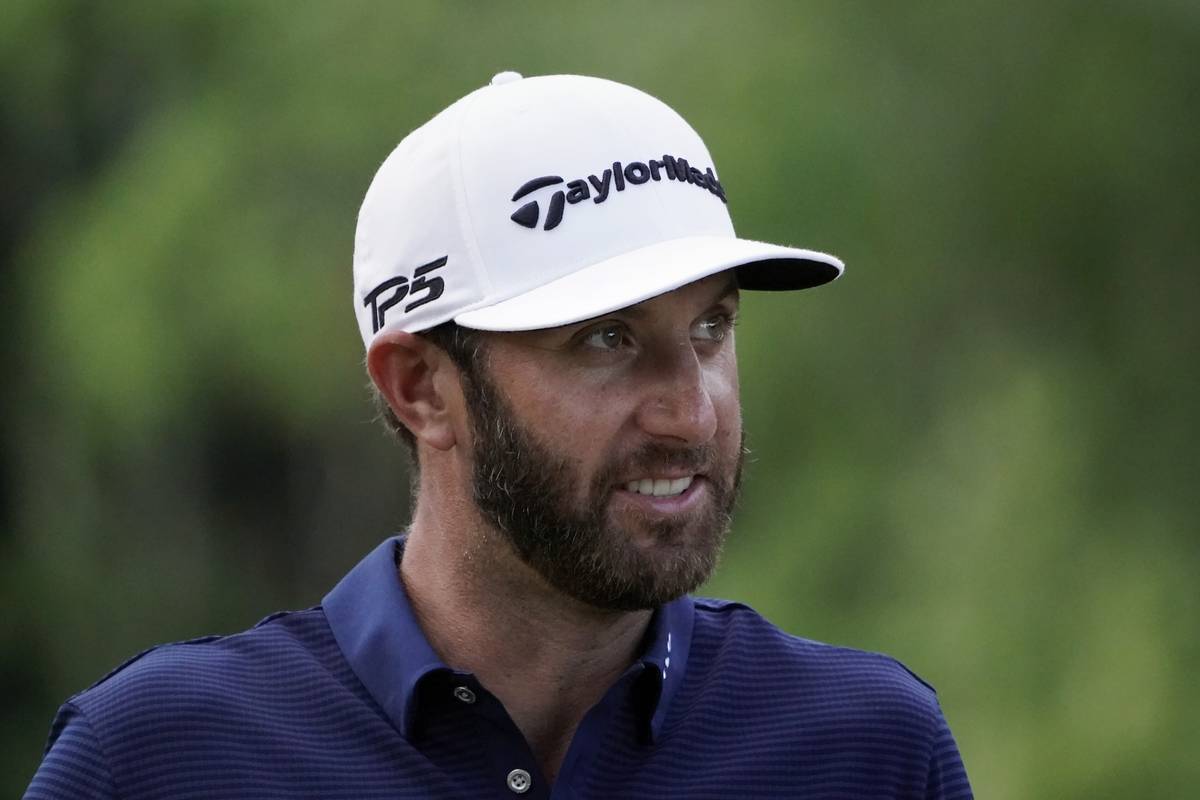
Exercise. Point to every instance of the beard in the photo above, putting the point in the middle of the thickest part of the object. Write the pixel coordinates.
(532, 496)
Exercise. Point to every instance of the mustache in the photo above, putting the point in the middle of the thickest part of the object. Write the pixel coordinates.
(656, 457)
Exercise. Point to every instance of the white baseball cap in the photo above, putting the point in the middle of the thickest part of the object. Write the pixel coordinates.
(537, 202)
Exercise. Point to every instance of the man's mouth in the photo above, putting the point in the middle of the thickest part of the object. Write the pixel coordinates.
(660, 487)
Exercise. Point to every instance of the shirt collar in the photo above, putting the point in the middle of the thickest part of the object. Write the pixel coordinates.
(374, 625)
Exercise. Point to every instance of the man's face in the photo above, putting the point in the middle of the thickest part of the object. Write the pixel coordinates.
(609, 452)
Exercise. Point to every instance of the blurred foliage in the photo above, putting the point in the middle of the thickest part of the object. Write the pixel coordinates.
(976, 451)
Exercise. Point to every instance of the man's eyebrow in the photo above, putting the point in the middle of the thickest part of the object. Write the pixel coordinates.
(731, 290)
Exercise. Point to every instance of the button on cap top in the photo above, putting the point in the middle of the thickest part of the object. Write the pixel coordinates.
(508, 76)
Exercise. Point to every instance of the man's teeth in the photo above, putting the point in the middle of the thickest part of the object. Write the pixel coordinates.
(660, 487)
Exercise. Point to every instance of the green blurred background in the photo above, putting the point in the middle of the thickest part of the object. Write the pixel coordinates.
(976, 451)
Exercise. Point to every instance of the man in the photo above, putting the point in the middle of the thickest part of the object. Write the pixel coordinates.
(546, 281)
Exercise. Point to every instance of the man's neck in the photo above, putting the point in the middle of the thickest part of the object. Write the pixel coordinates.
(547, 657)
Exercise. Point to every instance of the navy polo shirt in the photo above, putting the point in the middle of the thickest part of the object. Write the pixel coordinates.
(348, 700)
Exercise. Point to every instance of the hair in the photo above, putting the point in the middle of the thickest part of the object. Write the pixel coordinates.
(465, 348)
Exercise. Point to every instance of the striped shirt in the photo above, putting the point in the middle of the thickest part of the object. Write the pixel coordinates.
(348, 700)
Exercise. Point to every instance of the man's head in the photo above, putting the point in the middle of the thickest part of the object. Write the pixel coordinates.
(568, 367)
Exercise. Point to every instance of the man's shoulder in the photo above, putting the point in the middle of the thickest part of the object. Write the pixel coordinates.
(785, 710)
(214, 673)
(247, 710)
(734, 639)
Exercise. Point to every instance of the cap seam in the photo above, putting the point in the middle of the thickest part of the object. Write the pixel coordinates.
(465, 220)
(656, 190)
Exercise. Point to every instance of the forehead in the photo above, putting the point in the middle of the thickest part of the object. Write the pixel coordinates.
(678, 306)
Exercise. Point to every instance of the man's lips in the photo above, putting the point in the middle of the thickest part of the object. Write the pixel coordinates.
(659, 486)
(671, 503)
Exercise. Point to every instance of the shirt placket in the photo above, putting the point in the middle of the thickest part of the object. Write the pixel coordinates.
(589, 738)
(513, 770)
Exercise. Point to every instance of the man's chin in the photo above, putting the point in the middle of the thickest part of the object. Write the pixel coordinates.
(661, 575)
(653, 562)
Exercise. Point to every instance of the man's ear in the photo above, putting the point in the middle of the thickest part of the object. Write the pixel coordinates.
(406, 369)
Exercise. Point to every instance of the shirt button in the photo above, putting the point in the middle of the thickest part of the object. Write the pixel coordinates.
(464, 694)
(519, 781)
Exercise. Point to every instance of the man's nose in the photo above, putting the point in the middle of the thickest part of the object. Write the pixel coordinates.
(678, 403)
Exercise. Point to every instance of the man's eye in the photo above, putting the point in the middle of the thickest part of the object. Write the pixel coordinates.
(608, 337)
(713, 329)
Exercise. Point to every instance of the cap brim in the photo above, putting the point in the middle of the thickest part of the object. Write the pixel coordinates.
(638, 275)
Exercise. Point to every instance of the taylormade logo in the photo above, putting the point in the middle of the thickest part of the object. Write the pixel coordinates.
(599, 187)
